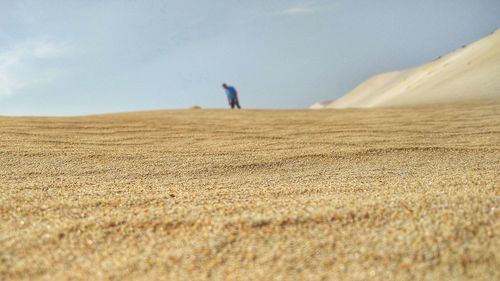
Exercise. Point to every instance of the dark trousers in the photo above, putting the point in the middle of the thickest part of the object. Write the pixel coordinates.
(234, 102)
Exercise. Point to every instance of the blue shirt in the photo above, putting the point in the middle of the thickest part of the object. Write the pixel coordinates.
(231, 93)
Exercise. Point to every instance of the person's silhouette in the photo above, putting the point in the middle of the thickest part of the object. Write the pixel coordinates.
(232, 96)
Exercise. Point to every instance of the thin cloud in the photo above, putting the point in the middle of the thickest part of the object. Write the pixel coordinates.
(22, 65)
(309, 7)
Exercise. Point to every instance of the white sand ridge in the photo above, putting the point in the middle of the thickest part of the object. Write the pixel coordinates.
(470, 73)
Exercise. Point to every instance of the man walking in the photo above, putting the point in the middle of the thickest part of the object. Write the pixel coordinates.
(232, 96)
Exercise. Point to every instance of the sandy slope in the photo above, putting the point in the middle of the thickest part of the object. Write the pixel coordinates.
(321, 104)
(379, 194)
(469, 73)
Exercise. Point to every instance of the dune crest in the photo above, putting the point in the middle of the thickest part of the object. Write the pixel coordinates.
(470, 73)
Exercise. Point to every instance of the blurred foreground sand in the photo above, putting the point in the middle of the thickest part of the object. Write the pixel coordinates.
(394, 194)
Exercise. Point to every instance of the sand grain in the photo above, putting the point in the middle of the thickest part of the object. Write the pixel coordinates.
(394, 194)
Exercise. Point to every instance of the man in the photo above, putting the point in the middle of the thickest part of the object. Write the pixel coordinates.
(232, 96)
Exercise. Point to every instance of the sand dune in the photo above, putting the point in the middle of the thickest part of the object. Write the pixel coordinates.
(469, 73)
(321, 104)
(376, 194)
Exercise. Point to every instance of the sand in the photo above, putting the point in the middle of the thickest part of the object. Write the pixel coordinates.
(378, 194)
(470, 73)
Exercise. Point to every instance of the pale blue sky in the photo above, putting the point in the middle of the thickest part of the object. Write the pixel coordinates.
(60, 57)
